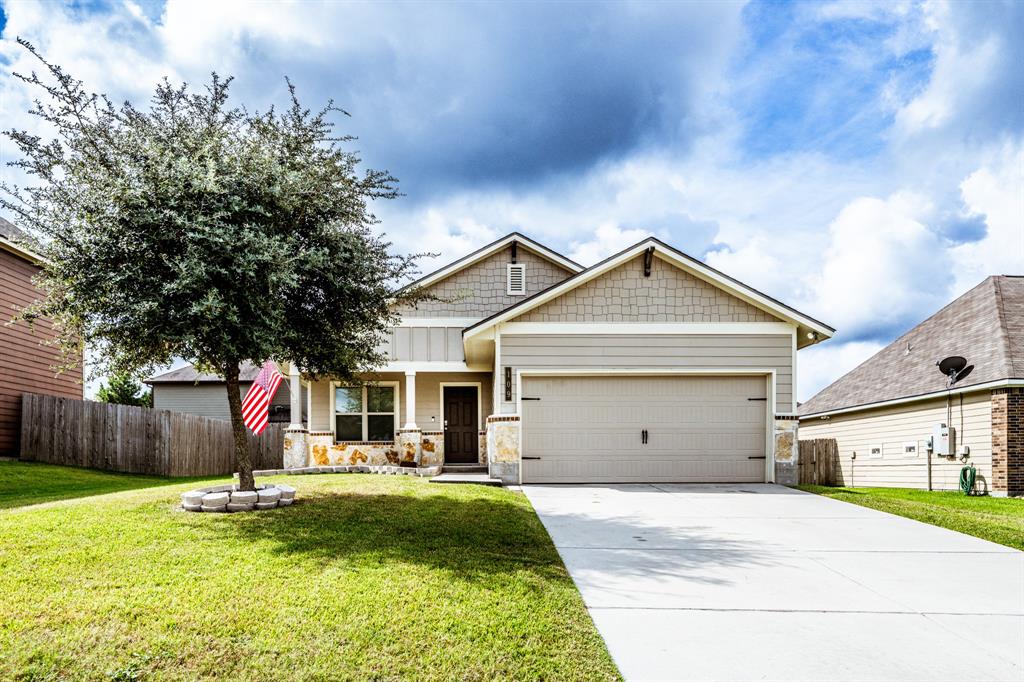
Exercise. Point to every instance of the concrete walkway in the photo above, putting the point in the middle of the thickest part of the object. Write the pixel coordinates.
(744, 582)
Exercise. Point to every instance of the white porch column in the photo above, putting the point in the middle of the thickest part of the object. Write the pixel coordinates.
(410, 401)
(295, 388)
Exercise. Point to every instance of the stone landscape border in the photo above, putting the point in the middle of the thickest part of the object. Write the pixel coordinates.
(388, 470)
(227, 498)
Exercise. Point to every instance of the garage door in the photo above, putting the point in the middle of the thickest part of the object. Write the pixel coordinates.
(590, 429)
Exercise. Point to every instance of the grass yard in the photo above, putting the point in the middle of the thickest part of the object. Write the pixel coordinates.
(23, 483)
(990, 518)
(365, 577)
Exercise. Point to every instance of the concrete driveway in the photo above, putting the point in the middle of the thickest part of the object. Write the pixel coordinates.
(744, 582)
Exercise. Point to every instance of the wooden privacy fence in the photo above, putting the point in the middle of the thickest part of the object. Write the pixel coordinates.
(819, 458)
(137, 440)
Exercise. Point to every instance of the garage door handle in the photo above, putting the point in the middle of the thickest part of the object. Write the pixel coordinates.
(643, 437)
(761, 457)
(531, 457)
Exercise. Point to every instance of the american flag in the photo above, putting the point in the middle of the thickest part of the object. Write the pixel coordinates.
(256, 404)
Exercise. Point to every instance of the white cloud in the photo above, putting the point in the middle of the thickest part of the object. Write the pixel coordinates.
(882, 267)
(822, 364)
(608, 239)
(995, 191)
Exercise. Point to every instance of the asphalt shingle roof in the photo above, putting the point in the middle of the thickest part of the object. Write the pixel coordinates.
(9, 230)
(189, 374)
(985, 325)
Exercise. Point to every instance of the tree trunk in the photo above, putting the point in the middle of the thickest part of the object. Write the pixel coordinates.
(242, 463)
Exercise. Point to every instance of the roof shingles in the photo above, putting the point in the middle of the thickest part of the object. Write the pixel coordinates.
(985, 325)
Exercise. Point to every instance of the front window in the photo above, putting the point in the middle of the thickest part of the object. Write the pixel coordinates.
(365, 413)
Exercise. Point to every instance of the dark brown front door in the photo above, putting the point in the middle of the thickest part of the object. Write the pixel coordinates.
(460, 428)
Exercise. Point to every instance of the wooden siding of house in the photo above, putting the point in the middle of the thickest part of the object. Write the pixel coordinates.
(27, 363)
(420, 344)
(206, 399)
(891, 427)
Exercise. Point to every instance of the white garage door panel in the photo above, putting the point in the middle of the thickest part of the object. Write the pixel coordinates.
(588, 429)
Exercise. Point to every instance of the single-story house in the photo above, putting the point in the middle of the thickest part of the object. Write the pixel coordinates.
(648, 366)
(193, 392)
(885, 413)
(28, 361)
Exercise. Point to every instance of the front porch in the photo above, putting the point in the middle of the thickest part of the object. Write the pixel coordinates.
(410, 418)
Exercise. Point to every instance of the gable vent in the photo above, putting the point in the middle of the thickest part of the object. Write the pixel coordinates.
(516, 279)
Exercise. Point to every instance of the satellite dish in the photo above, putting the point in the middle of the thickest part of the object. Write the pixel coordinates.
(952, 365)
(962, 373)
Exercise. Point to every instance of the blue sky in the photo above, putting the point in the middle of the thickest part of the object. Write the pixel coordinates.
(860, 161)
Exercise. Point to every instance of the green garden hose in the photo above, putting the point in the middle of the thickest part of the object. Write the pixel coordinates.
(967, 475)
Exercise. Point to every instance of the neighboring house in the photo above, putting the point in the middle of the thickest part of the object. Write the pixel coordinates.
(648, 366)
(885, 411)
(187, 390)
(28, 362)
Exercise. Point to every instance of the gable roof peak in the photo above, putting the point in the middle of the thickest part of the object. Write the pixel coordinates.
(489, 250)
(678, 258)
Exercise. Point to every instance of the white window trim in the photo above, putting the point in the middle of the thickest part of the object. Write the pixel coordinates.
(881, 451)
(508, 279)
(334, 408)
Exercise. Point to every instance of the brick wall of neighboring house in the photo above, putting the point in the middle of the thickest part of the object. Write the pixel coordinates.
(1008, 440)
(27, 363)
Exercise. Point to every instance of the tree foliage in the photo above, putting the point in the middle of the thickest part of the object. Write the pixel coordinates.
(197, 229)
(123, 389)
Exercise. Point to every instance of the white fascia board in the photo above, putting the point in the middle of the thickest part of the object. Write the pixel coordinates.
(466, 261)
(783, 328)
(460, 322)
(692, 266)
(426, 366)
(999, 383)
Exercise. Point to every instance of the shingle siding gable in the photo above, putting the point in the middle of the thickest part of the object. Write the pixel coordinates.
(480, 289)
(625, 295)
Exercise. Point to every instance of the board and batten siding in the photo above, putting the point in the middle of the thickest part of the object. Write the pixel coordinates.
(27, 362)
(428, 397)
(426, 344)
(205, 399)
(891, 427)
(650, 352)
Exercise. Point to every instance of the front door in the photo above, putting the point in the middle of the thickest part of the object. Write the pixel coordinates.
(460, 425)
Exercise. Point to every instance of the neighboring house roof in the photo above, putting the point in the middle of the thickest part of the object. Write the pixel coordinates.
(679, 259)
(190, 375)
(17, 241)
(492, 248)
(985, 325)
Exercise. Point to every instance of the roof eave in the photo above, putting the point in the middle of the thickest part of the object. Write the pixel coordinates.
(985, 386)
(29, 255)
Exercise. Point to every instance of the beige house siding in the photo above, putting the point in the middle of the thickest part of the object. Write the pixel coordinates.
(650, 351)
(893, 426)
(205, 399)
(420, 344)
(479, 290)
(625, 295)
(428, 398)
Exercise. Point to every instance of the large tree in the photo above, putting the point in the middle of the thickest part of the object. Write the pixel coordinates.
(197, 229)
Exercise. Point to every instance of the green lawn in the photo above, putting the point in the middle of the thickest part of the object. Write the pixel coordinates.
(365, 577)
(23, 483)
(991, 518)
